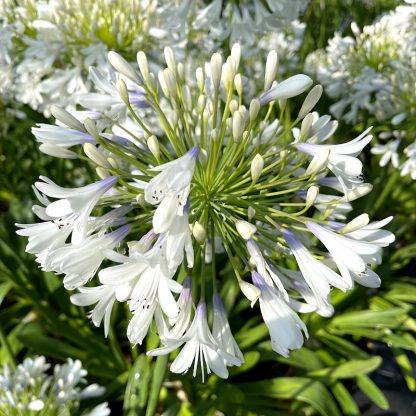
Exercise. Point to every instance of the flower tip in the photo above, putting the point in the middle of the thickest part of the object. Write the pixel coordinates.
(194, 152)
(216, 300)
(201, 309)
(110, 181)
(245, 229)
(257, 279)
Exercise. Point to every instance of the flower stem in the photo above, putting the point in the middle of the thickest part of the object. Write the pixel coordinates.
(157, 380)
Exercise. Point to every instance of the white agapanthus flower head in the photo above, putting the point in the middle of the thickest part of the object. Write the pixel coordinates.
(30, 388)
(216, 173)
(373, 73)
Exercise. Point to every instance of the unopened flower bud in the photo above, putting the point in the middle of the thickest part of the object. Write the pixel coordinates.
(153, 145)
(228, 72)
(143, 66)
(170, 80)
(200, 79)
(306, 125)
(152, 81)
(318, 162)
(233, 106)
(66, 118)
(251, 292)
(122, 66)
(310, 101)
(357, 192)
(251, 212)
(271, 69)
(180, 71)
(102, 173)
(245, 229)
(238, 83)
(122, 91)
(236, 54)
(162, 83)
(140, 199)
(257, 165)
(216, 65)
(288, 88)
(95, 155)
(254, 109)
(238, 126)
(355, 224)
(199, 233)
(201, 102)
(203, 157)
(91, 127)
(311, 195)
(214, 134)
(114, 164)
(170, 59)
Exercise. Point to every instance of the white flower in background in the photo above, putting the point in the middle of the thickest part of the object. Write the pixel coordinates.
(29, 388)
(373, 74)
(388, 152)
(50, 45)
(205, 175)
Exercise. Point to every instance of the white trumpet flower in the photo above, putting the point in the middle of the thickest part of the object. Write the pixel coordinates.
(285, 327)
(170, 189)
(200, 348)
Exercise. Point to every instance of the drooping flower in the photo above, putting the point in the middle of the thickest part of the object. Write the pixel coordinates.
(221, 330)
(200, 349)
(284, 325)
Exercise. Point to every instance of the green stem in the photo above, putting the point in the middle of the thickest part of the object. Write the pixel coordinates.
(388, 187)
(157, 380)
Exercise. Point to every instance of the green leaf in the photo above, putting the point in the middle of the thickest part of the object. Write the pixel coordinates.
(45, 345)
(404, 340)
(309, 391)
(406, 367)
(370, 389)
(345, 400)
(132, 405)
(368, 319)
(349, 369)
(251, 358)
(303, 358)
(341, 345)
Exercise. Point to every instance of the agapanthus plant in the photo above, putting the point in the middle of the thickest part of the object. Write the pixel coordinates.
(204, 171)
(33, 388)
(372, 75)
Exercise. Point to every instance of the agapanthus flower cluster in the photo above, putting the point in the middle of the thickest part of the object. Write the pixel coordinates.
(35, 388)
(372, 74)
(199, 171)
(47, 47)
